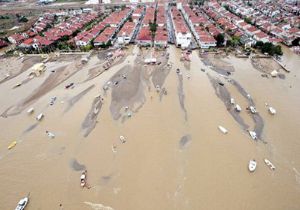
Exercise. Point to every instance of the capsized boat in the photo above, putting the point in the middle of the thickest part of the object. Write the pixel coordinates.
(238, 108)
(271, 165)
(222, 129)
(252, 165)
(22, 203)
(39, 117)
(253, 134)
(272, 110)
(12, 145)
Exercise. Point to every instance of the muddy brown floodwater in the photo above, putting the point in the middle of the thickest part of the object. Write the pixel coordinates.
(164, 159)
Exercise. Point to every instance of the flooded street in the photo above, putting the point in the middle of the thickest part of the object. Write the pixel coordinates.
(174, 156)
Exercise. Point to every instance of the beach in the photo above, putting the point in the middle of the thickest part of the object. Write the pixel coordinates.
(174, 156)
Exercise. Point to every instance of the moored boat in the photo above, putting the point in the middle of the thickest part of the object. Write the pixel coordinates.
(268, 163)
(252, 165)
(253, 134)
(222, 129)
(22, 203)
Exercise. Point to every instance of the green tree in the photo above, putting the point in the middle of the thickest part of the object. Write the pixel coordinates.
(259, 44)
(296, 42)
(153, 28)
(247, 20)
(278, 50)
(220, 39)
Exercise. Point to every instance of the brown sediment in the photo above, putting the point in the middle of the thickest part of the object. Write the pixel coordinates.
(76, 166)
(127, 92)
(216, 62)
(181, 95)
(54, 79)
(184, 141)
(90, 120)
(31, 127)
(161, 72)
(258, 120)
(77, 97)
(265, 65)
(15, 70)
(104, 60)
(222, 93)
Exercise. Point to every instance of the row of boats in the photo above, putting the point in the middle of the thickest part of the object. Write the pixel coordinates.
(253, 164)
(252, 109)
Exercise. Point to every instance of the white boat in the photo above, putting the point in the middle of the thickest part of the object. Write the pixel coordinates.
(50, 135)
(222, 129)
(122, 139)
(271, 165)
(22, 203)
(253, 135)
(272, 110)
(83, 178)
(252, 165)
(238, 108)
(252, 109)
(30, 110)
(232, 101)
(39, 117)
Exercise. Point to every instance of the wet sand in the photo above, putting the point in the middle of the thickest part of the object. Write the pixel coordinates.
(179, 163)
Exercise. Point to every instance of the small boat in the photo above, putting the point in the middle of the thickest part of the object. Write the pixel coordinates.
(50, 135)
(232, 101)
(40, 116)
(253, 135)
(17, 85)
(12, 145)
(272, 110)
(222, 129)
(30, 110)
(252, 165)
(238, 108)
(271, 165)
(83, 178)
(52, 100)
(69, 85)
(252, 109)
(22, 203)
(122, 139)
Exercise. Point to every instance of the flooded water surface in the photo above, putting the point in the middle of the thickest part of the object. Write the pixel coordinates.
(148, 135)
